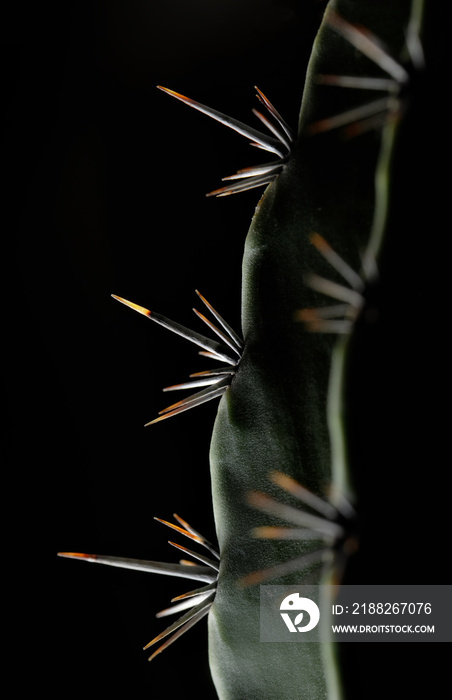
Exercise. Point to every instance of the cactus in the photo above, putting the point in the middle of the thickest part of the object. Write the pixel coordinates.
(281, 439)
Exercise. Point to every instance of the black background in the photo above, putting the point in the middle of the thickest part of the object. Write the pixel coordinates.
(103, 192)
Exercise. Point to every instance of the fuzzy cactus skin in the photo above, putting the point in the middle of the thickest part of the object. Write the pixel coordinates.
(284, 408)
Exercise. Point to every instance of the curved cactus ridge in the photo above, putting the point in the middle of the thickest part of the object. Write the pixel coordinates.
(283, 410)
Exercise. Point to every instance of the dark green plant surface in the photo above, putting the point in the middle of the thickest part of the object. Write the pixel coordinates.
(275, 416)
